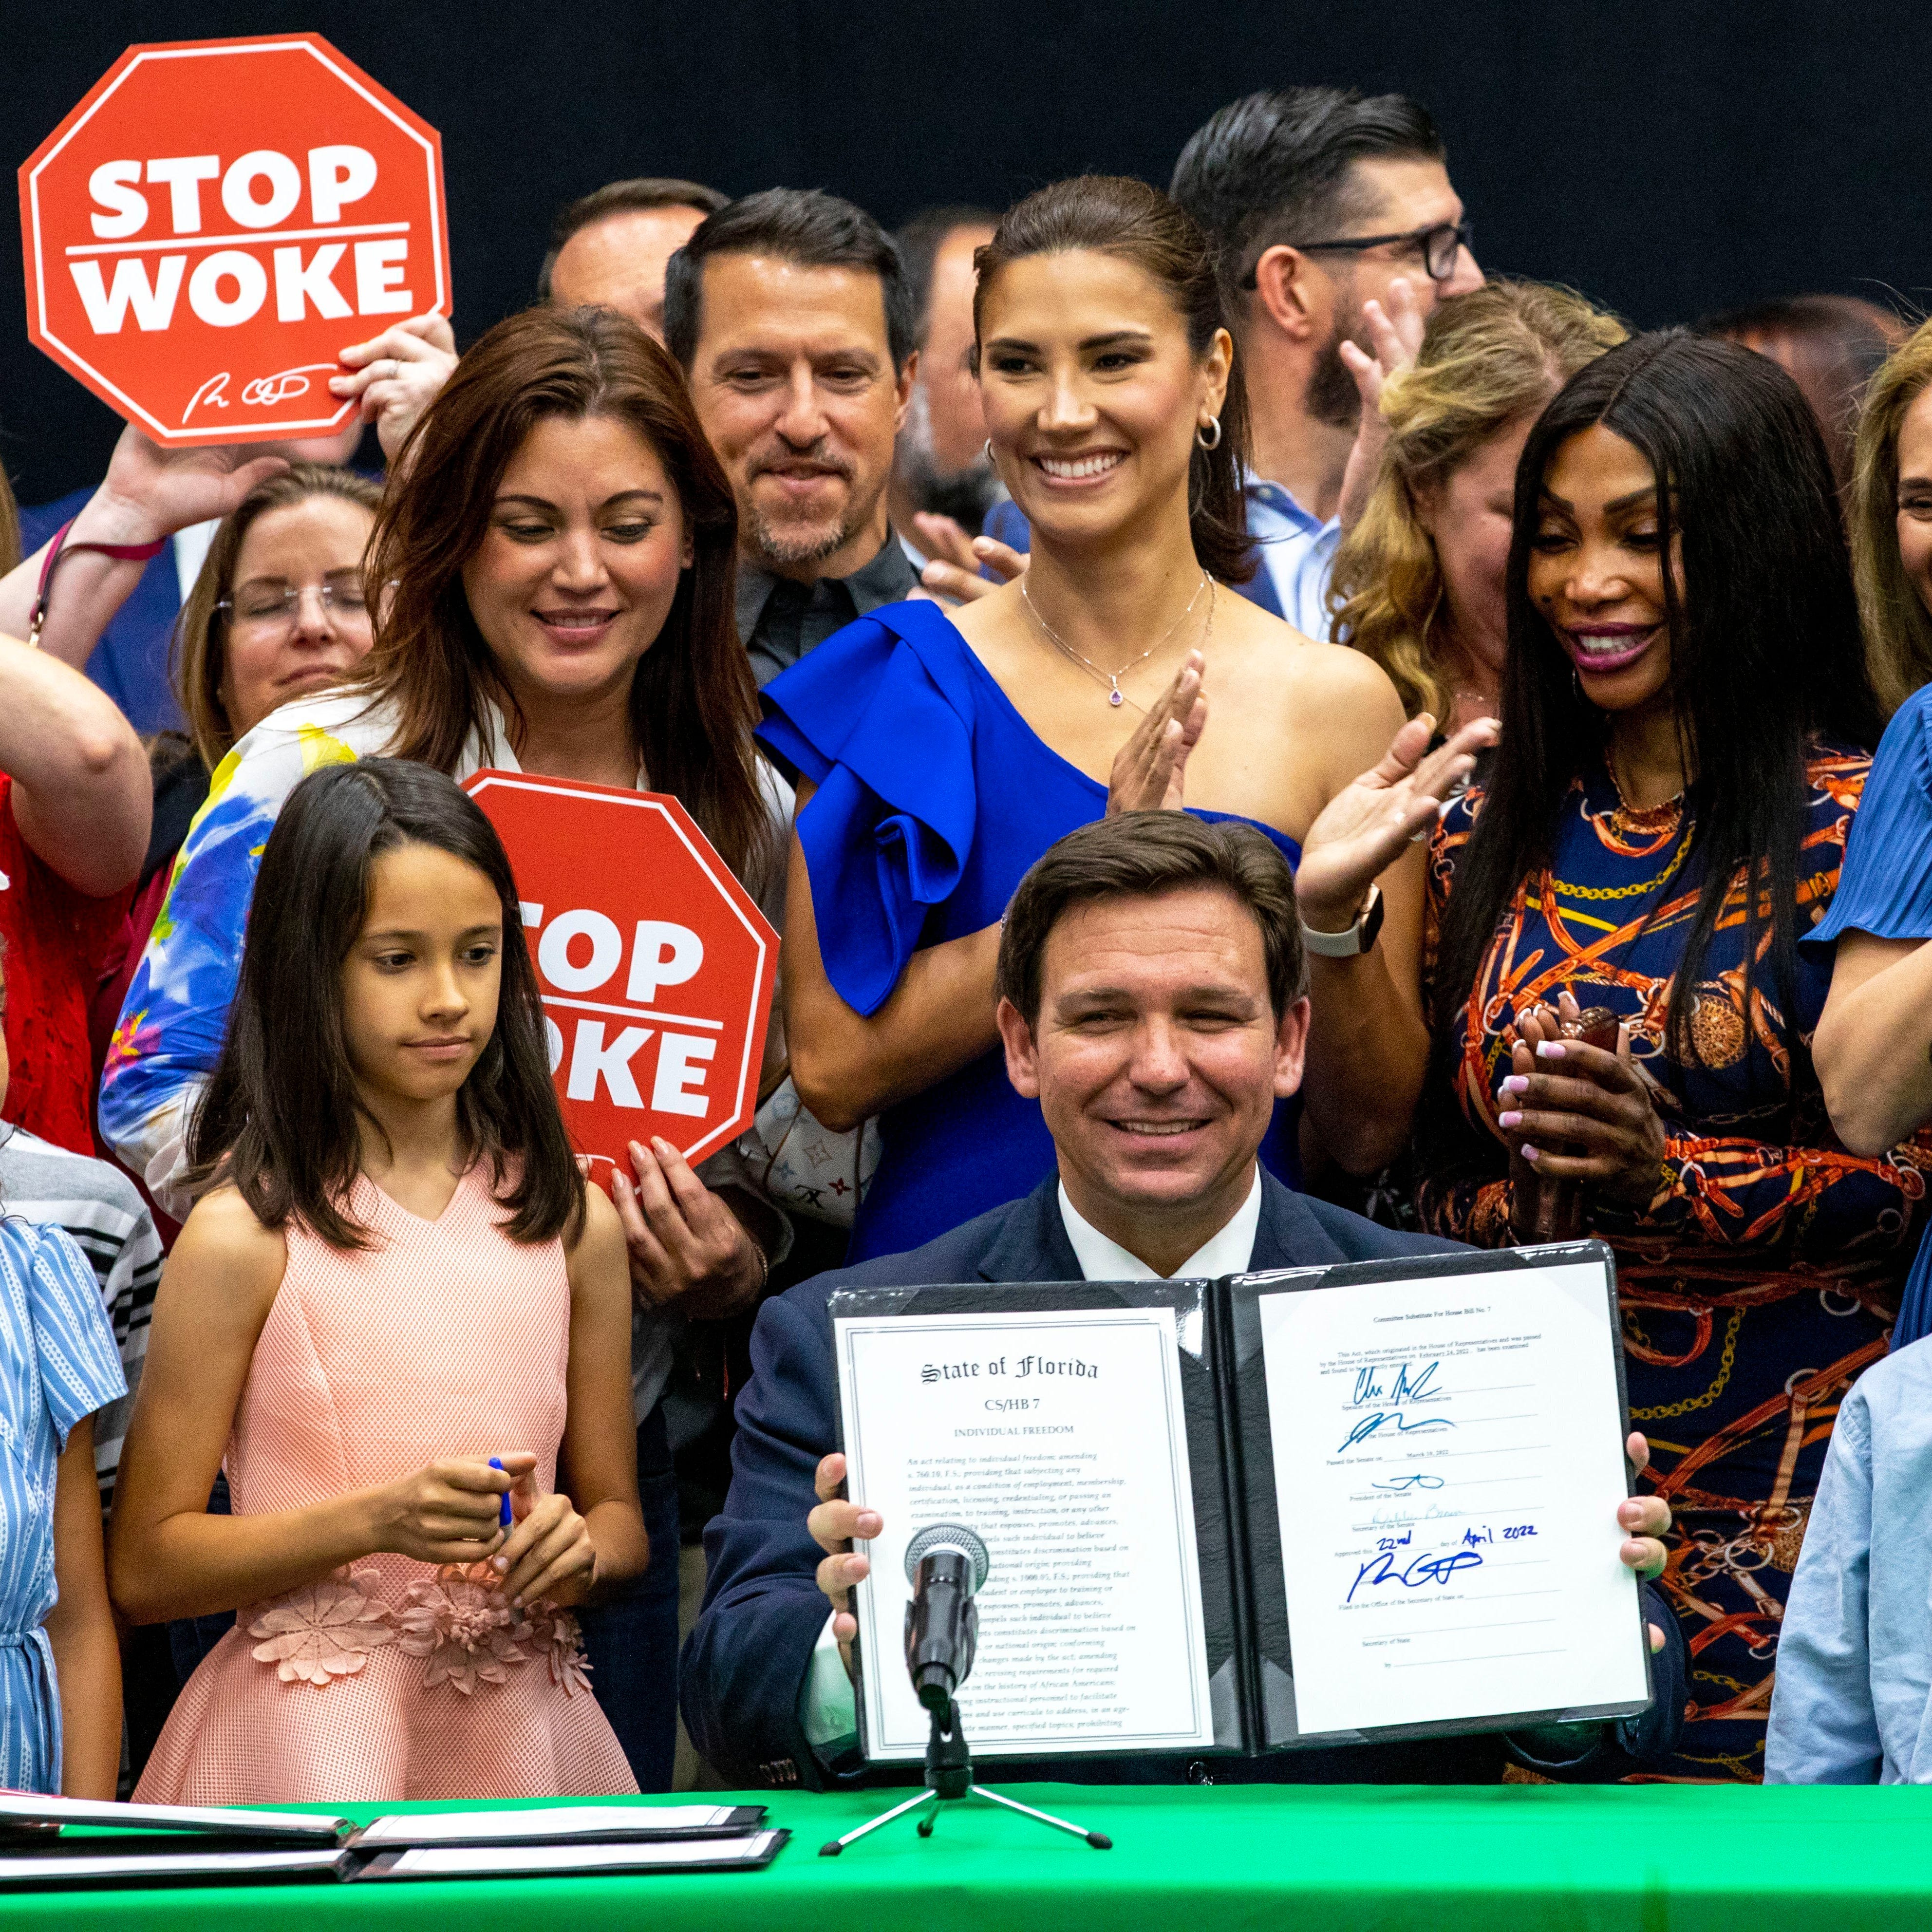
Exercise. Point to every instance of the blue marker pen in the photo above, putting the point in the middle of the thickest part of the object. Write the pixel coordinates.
(503, 1516)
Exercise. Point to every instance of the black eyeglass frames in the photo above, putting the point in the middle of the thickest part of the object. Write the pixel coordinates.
(1440, 246)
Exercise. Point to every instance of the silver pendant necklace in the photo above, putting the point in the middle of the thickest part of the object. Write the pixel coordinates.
(1111, 678)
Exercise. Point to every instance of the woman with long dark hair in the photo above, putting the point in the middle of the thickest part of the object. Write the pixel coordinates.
(940, 754)
(556, 561)
(384, 1178)
(1686, 727)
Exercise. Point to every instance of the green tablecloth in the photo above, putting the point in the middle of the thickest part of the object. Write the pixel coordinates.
(1652, 1858)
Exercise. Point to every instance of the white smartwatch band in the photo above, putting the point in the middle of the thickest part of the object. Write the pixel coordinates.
(1355, 938)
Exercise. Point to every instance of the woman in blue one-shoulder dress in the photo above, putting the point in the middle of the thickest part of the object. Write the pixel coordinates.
(939, 755)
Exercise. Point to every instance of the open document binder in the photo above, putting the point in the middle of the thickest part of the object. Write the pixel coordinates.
(147, 1845)
(1317, 1507)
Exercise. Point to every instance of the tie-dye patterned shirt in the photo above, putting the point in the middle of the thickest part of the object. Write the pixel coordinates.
(176, 1011)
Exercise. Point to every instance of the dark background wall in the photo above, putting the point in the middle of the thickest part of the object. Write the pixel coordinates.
(1668, 156)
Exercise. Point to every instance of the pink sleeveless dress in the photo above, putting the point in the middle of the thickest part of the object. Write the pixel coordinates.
(393, 1679)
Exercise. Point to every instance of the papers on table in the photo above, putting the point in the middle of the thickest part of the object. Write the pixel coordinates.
(505, 1843)
(1447, 1463)
(56, 1868)
(30, 1809)
(1060, 1438)
(561, 1824)
(747, 1852)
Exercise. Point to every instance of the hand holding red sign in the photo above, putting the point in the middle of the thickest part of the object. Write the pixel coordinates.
(655, 964)
(206, 229)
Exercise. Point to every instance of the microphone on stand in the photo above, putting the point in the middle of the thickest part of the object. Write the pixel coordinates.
(945, 1564)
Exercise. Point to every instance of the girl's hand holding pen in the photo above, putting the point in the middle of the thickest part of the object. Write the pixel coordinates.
(447, 1513)
(550, 1553)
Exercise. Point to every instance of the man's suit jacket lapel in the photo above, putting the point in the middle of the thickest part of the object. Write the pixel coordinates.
(1289, 1235)
(1032, 1245)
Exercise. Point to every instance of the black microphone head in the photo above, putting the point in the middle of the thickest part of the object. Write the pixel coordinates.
(947, 1536)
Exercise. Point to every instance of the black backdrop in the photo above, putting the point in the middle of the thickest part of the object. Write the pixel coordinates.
(1669, 157)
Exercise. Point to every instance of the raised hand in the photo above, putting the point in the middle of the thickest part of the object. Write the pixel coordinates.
(686, 1246)
(953, 569)
(396, 375)
(1366, 826)
(549, 1553)
(1397, 334)
(1150, 770)
(149, 493)
(445, 1513)
(832, 1525)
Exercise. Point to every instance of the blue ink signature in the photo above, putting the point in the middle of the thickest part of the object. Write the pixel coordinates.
(1417, 1574)
(1369, 1385)
(1369, 1424)
(1417, 1481)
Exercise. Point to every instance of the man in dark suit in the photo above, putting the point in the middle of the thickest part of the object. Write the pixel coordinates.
(1152, 999)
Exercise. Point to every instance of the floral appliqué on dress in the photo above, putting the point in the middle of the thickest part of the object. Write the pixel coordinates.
(458, 1620)
(324, 1630)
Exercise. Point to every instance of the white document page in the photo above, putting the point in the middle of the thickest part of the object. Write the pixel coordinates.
(1060, 1438)
(521, 1861)
(1448, 1464)
(33, 1808)
(554, 1824)
(57, 1869)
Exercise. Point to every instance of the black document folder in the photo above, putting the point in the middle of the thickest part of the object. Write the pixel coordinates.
(1247, 1572)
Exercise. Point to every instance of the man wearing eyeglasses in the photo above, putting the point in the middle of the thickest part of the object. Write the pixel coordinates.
(1320, 200)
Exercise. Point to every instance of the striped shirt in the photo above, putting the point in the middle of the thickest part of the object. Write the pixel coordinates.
(102, 1210)
(58, 1364)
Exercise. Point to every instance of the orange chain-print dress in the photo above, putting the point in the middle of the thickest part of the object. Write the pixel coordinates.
(1763, 1277)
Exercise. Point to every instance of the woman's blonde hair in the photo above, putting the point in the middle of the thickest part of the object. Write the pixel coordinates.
(1898, 627)
(1488, 359)
(199, 655)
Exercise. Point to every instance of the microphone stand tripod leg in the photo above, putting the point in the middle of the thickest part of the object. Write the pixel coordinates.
(838, 1845)
(1098, 1840)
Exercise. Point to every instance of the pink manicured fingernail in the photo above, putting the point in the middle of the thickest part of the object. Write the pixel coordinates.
(1509, 1120)
(1550, 1049)
(1530, 1153)
(1517, 1083)
(499, 1563)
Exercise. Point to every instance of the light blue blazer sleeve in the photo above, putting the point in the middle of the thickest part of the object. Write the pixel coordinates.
(1824, 1724)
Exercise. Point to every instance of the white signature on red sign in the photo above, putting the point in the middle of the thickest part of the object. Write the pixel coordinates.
(263, 392)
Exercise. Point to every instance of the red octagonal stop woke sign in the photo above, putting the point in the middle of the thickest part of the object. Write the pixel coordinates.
(654, 964)
(216, 220)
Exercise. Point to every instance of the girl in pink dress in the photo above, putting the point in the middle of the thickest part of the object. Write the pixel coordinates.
(395, 1273)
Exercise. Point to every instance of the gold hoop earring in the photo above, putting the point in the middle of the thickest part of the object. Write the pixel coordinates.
(990, 456)
(1206, 441)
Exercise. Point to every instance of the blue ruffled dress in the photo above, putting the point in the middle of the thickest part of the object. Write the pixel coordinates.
(1886, 889)
(933, 795)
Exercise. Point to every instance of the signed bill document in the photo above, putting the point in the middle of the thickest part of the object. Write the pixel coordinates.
(1447, 1458)
(1060, 1437)
(1364, 1502)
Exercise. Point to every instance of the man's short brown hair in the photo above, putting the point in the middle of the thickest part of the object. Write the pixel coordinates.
(1136, 855)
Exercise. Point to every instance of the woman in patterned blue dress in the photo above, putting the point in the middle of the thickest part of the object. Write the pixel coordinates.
(1686, 722)
(60, 1666)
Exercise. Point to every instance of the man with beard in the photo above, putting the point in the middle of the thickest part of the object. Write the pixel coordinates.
(940, 468)
(790, 314)
(1320, 201)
